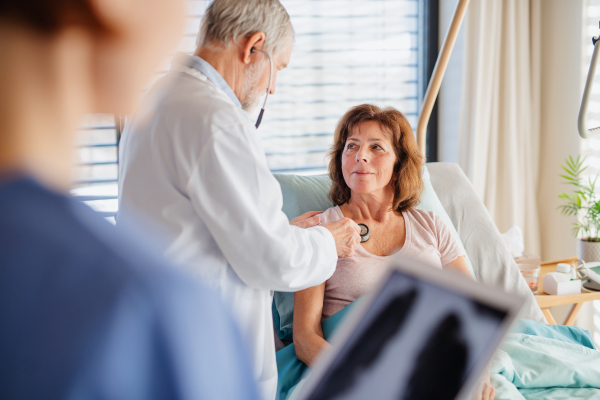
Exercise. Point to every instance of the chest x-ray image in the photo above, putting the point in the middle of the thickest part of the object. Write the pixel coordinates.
(417, 341)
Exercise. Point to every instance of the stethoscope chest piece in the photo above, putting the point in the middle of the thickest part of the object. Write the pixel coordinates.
(364, 233)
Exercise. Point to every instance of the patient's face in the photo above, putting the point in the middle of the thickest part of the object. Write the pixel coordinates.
(368, 159)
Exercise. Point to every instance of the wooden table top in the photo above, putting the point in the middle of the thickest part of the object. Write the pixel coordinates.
(546, 301)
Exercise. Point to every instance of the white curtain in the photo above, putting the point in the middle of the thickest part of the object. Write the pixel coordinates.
(500, 115)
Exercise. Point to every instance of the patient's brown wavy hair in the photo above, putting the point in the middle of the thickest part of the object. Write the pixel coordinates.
(406, 178)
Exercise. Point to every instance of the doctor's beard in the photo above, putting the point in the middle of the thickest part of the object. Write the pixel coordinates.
(250, 93)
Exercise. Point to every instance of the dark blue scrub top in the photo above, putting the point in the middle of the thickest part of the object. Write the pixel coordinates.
(87, 313)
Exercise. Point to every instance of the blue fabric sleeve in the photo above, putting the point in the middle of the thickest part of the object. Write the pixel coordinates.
(183, 344)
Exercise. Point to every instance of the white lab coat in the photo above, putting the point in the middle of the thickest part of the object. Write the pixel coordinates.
(191, 163)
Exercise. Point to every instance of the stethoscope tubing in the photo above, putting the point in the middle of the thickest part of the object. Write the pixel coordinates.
(262, 110)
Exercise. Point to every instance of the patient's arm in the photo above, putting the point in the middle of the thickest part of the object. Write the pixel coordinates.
(308, 336)
(459, 264)
(485, 390)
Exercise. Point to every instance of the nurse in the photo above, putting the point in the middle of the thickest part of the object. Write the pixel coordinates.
(193, 166)
(87, 312)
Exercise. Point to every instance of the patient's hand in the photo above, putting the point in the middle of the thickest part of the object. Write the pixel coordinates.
(485, 390)
(346, 234)
(307, 220)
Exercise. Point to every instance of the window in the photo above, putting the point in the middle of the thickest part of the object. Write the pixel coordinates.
(347, 52)
(97, 164)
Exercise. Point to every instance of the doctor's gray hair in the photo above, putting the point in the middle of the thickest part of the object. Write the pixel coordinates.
(225, 21)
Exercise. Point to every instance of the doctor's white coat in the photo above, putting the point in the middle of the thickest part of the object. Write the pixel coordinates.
(191, 163)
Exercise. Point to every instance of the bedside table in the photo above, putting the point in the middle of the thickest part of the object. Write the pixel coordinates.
(546, 301)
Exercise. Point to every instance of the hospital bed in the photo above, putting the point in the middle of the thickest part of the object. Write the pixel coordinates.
(552, 361)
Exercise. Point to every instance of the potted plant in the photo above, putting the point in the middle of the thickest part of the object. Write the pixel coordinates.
(584, 203)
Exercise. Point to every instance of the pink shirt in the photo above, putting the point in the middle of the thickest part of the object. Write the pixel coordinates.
(428, 239)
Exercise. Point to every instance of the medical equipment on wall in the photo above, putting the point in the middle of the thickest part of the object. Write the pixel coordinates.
(262, 110)
(589, 82)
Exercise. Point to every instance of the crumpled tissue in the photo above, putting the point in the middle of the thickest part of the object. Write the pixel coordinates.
(513, 239)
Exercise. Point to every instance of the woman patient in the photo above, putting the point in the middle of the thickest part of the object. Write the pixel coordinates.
(375, 170)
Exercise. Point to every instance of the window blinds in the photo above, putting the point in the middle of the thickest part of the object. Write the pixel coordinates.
(346, 53)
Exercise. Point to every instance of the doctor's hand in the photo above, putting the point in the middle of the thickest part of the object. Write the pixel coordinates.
(307, 220)
(346, 234)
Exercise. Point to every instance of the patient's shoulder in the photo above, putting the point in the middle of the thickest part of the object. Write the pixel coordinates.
(425, 218)
(430, 221)
(425, 214)
(332, 214)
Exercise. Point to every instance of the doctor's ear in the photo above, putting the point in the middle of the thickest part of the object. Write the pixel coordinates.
(255, 42)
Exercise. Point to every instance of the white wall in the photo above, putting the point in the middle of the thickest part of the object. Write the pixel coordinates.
(561, 97)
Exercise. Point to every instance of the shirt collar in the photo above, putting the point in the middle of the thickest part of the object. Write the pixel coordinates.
(212, 74)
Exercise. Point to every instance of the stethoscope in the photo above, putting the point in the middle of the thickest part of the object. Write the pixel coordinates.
(262, 110)
(580, 269)
(364, 233)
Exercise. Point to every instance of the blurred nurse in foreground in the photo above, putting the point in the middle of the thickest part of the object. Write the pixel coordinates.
(85, 313)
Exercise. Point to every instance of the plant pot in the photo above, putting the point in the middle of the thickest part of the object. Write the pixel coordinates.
(588, 251)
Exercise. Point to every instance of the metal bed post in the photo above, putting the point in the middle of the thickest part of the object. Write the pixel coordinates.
(438, 74)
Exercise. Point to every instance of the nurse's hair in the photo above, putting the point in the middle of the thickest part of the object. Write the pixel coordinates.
(225, 21)
(406, 178)
(51, 16)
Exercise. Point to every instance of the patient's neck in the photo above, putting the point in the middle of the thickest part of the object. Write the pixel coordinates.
(370, 207)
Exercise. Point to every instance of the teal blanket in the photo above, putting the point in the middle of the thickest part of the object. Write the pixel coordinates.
(556, 366)
(535, 361)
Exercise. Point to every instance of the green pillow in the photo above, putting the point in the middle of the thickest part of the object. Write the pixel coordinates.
(302, 194)
(309, 193)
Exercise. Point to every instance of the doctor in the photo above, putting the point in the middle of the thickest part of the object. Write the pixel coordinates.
(192, 164)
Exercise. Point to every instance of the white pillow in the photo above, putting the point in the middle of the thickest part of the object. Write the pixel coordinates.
(431, 202)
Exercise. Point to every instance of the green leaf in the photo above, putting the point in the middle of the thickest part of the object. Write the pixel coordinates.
(568, 171)
(567, 177)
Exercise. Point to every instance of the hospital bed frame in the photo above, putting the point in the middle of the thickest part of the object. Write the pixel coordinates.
(438, 74)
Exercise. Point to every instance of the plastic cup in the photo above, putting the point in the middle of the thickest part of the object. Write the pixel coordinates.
(531, 273)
